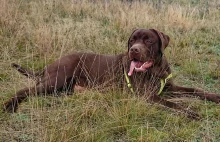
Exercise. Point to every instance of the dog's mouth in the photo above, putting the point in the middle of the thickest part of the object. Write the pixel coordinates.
(139, 66)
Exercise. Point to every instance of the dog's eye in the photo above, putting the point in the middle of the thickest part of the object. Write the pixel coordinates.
(148, 41)
(132, 41)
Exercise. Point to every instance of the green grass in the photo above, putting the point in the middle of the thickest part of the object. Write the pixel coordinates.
(35, 33)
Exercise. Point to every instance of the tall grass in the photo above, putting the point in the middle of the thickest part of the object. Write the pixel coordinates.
(35, 33)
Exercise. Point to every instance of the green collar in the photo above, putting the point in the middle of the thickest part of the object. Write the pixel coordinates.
(162, 82)
(128, 81)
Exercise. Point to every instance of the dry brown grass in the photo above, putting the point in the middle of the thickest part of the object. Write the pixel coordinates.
(35, 33)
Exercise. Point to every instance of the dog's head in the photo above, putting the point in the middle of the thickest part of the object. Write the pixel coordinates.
(145, 48)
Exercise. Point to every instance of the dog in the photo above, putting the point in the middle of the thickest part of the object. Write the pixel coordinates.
(142, 70)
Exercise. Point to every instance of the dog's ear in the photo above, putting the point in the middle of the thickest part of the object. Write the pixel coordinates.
(130, 38)
(164, 40)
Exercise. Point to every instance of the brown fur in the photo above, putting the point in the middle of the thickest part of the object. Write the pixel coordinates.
(91, 70)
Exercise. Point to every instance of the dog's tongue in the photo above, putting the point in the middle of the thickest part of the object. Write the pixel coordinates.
(132, 66)
(138, 67)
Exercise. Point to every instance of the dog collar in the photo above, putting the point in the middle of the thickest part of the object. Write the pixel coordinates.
(128, 82)
(163, 82)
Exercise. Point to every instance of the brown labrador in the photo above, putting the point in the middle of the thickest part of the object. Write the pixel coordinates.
(143, 68)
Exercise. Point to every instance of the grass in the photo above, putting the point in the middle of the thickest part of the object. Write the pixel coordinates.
(35, 33)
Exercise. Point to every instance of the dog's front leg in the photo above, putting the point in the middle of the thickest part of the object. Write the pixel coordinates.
(194, 92)
(190, 113)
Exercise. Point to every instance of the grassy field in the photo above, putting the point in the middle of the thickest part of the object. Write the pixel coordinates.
(34, 33)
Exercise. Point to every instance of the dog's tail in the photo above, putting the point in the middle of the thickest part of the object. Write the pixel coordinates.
(26, 72)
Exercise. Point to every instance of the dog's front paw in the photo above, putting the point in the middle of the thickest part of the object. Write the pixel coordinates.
(213, 97)
(193, 115)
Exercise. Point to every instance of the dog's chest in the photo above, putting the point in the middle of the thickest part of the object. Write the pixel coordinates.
(145, 83)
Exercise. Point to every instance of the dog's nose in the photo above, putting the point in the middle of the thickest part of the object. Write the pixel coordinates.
(134, 49)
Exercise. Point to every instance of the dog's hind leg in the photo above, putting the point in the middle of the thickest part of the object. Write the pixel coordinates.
(49, 85)
(12, 104)
(69, 86)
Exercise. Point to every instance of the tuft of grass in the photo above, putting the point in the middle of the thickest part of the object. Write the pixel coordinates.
(191, 68)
